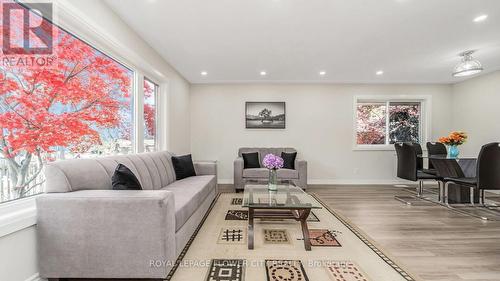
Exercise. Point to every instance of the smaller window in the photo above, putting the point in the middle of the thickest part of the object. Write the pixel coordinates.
(385, 122)
(150, 120)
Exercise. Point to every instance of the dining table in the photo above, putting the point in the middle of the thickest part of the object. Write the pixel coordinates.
(460, 166)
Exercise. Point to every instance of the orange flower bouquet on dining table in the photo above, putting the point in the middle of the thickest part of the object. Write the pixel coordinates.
(455, 138)
(453, 141)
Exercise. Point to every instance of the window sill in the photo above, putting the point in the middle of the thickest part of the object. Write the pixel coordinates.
(378, 148)
(373, 148)
(17, 215)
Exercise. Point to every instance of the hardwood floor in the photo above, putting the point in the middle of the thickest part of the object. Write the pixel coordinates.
(432, 242)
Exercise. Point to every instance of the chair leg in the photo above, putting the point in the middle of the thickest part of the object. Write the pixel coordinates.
(472, 196)
(445, 195)
(420, 188)
(481, 197)
(440, 192)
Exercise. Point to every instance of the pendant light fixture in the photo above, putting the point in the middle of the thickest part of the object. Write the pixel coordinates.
(468, 66)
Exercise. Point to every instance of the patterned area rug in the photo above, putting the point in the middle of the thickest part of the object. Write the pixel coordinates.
(230, 235)
(285, 270)
(340, 252)
(276, 236)
(346, 271)
(312, 217)
(226, 270)
(323, 237)
(236, 215)
(237, 201)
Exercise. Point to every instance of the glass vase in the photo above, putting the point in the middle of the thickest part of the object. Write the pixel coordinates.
(453, 151)
(273, 179)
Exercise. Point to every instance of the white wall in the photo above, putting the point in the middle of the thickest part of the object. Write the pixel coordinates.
(319, 123)
(18, 253)
(476, 110)
(94, 22)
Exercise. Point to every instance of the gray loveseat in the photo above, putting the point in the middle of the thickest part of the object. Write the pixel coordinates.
(298, 175)
(88, 230)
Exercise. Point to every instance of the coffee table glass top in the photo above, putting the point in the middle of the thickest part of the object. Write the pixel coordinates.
(287, 196)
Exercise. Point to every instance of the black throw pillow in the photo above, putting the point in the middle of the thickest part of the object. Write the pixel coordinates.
(183, 166)
(251, 160)
(289, 160)
(124, 179)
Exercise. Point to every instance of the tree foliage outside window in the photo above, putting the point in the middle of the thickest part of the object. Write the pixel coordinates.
(404, 122)
(150, 95)
(383, 123)
(81, 107)
(371, 123)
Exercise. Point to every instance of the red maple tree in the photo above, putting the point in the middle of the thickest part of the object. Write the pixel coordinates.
(149, 109)
(63, 106)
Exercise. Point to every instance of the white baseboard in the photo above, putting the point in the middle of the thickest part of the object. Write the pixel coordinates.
(225, 181)
(341, 182)
(354, 182)
(35, 277)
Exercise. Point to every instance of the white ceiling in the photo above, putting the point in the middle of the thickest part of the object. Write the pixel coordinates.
(413, 41)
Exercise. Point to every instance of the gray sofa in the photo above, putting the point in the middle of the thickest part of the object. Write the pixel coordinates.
(298, 175)
(87, 230)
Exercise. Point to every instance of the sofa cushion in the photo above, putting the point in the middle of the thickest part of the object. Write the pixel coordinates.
(288, 174)
(251, 160)
(189, 194)
(264, 173)
(183, 166)
(255, 173)
(124, 179)
(289, 160)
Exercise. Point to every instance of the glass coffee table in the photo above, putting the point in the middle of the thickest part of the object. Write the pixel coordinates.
(287, 202)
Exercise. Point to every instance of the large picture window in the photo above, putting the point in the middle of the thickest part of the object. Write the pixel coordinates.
(385, 122)
(81, 107)
(150, 96)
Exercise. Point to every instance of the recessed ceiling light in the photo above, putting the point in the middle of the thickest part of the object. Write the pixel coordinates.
(322, 73)
(204, 73)
(480, 18)
(263, 73)
(380, 72)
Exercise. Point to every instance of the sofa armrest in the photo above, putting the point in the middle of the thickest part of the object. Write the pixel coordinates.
(238, 173)
(106, 234)
(301, 167)
(203, 168)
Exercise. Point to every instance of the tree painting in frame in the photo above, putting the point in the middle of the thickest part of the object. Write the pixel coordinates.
(265, 115)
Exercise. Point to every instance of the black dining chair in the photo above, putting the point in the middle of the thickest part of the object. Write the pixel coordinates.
(433, 149)
(408, 164)
(446, 168)
(430, 170)
(487, 174)
(420, 160)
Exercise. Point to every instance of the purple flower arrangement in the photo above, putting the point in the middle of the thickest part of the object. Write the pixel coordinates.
(272, 162)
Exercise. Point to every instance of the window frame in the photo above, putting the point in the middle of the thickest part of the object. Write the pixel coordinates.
(425, 118)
